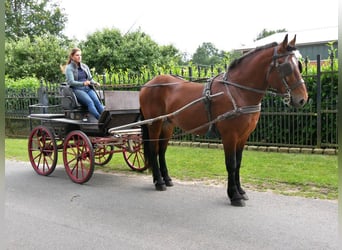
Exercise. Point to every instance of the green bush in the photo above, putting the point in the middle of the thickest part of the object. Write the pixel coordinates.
(21, 86)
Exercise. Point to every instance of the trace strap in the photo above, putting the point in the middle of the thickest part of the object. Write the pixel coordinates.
(162, 117)
(228, 115)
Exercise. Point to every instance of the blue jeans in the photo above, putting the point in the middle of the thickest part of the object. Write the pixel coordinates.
(87, 97)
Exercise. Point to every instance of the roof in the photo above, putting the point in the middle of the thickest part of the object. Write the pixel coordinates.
(303, 37)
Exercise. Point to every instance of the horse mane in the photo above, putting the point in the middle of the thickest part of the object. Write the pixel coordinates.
(234, 63)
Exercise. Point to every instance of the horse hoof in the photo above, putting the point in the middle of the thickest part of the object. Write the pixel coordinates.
(168, 183)
(160, 187)
(244, 197)
(238, 203)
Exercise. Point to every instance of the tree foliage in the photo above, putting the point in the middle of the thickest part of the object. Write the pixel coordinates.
(207, 54)
(41, 57)
(33, 18)
(109, 50)
(36, 46)
(101, 49)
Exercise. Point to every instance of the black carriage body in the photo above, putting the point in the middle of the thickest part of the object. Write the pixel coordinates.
(121, 107)
(83, 140)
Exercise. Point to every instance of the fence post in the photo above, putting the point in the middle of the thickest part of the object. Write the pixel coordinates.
(319, 103)
(43, 97)
(104, 78)
(331, 61)
(306, 61)
(190, 73)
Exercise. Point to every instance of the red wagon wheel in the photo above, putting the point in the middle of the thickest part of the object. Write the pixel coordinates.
(42, 150)
(103, 154)
(133, 154)
(78, 156)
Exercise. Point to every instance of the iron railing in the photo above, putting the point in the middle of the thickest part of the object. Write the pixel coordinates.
(314, 126)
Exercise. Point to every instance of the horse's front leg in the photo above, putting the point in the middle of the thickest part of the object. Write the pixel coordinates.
(163, 168)
(157, 177)
(236, 199)
(166, 134)
(237, 175)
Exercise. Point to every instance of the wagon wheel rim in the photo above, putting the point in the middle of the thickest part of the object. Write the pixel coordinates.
(103, 154)
(133, 155)
(42, 150)
(78, 157)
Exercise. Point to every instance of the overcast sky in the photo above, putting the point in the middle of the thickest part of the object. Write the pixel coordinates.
(187, 24)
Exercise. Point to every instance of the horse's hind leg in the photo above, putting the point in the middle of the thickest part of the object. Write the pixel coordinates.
(163, 143)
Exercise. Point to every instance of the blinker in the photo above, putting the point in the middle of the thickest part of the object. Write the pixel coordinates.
(285, 69)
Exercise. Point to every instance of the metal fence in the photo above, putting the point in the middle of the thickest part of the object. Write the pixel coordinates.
(313, 126)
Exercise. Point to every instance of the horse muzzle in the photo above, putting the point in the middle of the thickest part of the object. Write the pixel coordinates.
(298, 101)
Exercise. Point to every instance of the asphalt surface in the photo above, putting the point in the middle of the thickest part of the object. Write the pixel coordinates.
(125, 212)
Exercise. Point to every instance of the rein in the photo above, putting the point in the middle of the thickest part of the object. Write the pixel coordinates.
(163, 117)
(228, 115)
(160, 85)
(284, 69)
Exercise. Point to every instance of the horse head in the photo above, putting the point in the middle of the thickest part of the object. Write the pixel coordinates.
(284, 74)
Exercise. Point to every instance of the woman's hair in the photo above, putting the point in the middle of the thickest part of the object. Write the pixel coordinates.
(72, 53)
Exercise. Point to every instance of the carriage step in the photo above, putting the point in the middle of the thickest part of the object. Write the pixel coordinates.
(46, 116)
(125, 131)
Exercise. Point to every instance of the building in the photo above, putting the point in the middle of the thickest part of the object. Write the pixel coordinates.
(310, 43)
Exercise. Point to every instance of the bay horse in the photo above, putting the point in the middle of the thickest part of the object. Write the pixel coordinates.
(230, 104)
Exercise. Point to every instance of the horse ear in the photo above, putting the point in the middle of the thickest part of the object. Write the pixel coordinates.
(284, 43)
(292, 43)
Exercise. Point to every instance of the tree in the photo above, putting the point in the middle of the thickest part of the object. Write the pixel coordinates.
(33, 18)
(109, 50)
(139, 50)
(170, 55)
(264, 33)
(101, 49)
(207, 54)
(39, 58)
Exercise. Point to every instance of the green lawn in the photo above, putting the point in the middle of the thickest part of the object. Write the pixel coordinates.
(308, 175)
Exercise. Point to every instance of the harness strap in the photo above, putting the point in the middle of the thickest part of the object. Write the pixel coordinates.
(240, 111)
(259, 91)
(228, 115)
(207, 103)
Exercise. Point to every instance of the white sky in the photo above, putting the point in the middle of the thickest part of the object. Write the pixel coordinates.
(187, 24)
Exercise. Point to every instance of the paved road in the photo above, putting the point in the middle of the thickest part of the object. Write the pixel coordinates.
(124, 212)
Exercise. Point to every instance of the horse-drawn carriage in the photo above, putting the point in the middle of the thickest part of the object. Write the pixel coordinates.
(229, 103)
(83, 140)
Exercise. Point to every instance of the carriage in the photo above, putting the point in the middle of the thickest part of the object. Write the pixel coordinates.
(229, 104)
(83, 140)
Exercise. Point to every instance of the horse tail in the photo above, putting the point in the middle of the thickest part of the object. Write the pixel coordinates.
(146, 141)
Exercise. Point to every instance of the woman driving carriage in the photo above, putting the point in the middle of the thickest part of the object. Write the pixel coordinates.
(79, 78)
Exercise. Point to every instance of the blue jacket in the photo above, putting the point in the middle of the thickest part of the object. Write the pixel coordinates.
(71, 73)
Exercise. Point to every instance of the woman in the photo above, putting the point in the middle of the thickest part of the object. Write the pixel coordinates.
(80, 80)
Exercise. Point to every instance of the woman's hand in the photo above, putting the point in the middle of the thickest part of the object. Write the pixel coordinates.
(87, 83)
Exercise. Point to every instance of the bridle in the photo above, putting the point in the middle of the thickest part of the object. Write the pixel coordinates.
(284, 69)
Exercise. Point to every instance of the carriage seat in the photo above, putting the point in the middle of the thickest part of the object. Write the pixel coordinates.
(69, 99)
